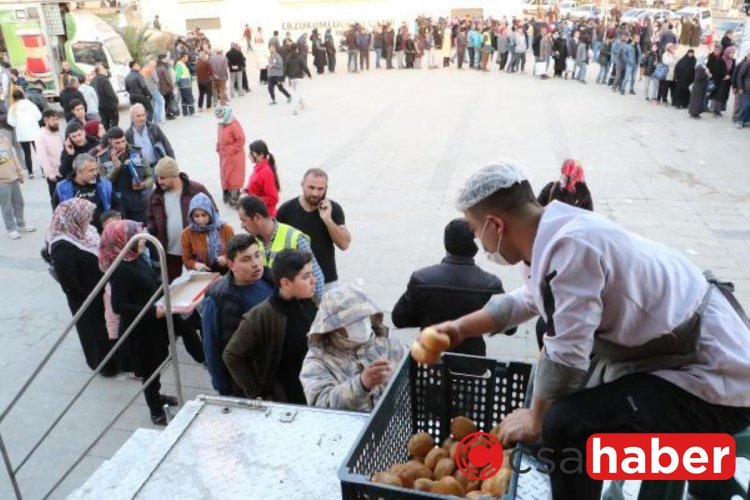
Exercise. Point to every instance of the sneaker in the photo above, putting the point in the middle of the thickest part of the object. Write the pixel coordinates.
(739, 124)
(14, 235)
(289, 99)
(159, 418)
(31, 176)
(26, 229)
(168, 400)
(272, 103)
(295, 112)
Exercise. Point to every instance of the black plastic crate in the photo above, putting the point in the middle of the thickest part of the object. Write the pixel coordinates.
(424, 398)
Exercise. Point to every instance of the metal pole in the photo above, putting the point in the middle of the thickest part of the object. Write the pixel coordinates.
(170, 322)
(88, 449)
(85, 306)
(109, 355)
(9, 468)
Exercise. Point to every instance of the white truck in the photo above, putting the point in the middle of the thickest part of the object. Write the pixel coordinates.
(37, 37)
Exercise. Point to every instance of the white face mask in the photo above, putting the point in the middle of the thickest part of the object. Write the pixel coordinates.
(495, 256)
(359, 332)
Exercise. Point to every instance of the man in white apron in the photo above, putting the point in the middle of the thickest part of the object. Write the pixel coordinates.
(637, 340)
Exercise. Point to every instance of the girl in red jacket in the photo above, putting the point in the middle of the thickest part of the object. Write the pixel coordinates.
(264, 181)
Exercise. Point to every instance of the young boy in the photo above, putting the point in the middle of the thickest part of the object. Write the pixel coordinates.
(246, 285)
(264, 356)
(79, 111)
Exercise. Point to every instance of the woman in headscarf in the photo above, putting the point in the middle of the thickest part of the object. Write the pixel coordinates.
(684, 74)
(73, 246)
(698, 92)
(330, 46)
(319, 52)
(350, 357)
(95, 129)
(721, 66)
(230, 145)
(133, 283)
(570, 189)
(204, 241)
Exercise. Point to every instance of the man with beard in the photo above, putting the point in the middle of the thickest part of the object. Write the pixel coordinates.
(84, 182)
(319, 218)
(76, 142)
(49, 147)
(684, 75)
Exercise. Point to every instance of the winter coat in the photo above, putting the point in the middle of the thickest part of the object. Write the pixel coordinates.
(24, 116)
(66, 160)
(105, 92)
(159, 140)
(545, 48)
(604, 54)
(718, 71)
(230, 144)
(219, 67)
(582, 54)
(221, 312)
(671, 62)
(262, 183)
(447, 291)
(156, 219)
(136, 87)
(330, 376)
(296, 67)
(684, 71)
(195, 247)
(235, 60)
(66, 96)
(698, 91)
(742, 77)
(166, 86)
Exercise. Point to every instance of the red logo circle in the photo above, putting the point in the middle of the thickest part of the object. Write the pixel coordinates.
(479, 456)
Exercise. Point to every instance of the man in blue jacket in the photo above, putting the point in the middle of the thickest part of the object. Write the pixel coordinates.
(85, 182)
(246, 285)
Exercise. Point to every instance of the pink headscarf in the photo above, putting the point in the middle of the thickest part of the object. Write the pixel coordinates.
(572, 174)
(71, 222)
(727, 56)
(114, 238)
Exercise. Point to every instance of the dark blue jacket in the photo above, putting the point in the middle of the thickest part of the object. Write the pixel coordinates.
(66, 191)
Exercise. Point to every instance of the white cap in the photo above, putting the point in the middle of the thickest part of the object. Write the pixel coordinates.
(486, 181)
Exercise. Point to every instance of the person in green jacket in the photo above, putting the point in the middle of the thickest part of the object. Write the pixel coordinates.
(184, 82)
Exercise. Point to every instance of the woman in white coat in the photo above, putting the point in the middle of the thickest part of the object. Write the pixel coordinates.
(24, 116)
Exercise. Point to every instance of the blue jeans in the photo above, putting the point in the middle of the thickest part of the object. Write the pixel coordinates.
(378, 55)
(159, 111)
(629, 81)
(582, 67)
(744, 108)
(596, 45)
(602, 76)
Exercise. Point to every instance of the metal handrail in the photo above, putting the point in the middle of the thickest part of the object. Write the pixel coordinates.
(12, 472)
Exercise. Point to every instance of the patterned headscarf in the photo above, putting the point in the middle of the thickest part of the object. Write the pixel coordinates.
(71, 222)
(202, 202)
(572, 174)
(114, 238)
(223, 114)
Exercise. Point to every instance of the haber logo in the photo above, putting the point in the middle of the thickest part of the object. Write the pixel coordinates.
(479, 456)
(660, 456)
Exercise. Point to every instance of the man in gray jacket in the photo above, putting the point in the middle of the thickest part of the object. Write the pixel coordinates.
(742, 90)
(220, 73)
(276, 74)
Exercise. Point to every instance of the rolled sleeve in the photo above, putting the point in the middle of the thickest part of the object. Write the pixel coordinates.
(511, 309)
(320, 280)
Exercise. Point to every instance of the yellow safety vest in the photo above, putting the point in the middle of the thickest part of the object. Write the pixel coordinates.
(286, 237)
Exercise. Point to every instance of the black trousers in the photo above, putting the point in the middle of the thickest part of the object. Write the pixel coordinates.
(634, 403)
(276, 81)
(110, 117)
(169, 105)
(503, 61)
(471, 56)
(26, 146)
(52, 186)
(664, 87)
(205, 91)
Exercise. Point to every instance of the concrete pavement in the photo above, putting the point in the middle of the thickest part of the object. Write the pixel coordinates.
(397, 145)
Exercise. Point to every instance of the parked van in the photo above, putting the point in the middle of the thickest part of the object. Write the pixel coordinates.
(704, 16)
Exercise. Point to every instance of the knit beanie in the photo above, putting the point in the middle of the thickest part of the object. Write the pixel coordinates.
(167, 167)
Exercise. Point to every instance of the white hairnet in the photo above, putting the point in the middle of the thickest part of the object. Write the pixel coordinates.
(486, 181)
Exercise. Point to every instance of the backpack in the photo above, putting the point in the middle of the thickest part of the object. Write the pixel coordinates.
(661, 71)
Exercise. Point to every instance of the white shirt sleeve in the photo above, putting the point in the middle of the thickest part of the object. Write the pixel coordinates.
(513, 308)
(572, 291)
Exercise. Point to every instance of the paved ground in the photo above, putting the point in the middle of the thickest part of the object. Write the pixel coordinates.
(396, 145)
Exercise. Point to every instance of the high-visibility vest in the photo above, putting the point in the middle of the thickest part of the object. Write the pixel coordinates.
(286, 237)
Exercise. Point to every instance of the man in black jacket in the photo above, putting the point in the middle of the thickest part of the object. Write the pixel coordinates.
(296, 69)
(68, 94)
(136, 87)
(236, 62)
(449, 290)
(108, 101)
(34, 94)
(76, 142)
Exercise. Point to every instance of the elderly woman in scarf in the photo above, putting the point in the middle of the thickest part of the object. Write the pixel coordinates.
(350, 357)
(134, 282)
(204, 241)
(570, 189)
(230, 145)
(73, 246)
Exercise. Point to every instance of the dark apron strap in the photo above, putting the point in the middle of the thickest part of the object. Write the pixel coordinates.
(727, 290)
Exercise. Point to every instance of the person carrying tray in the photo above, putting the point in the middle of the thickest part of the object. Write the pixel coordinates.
(637, 340)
